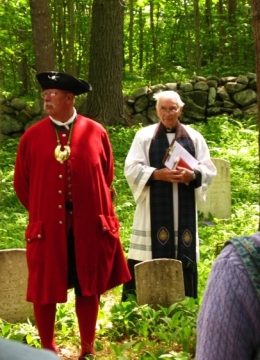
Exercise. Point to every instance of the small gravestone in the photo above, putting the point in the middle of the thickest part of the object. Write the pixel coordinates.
(218, 201)
(13, 284)
(159, 282)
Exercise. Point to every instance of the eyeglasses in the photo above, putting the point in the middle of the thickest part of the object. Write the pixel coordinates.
(169, 111)
(51, 94)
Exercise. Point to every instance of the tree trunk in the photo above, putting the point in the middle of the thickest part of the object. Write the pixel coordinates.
(189, 52)
(71, 39)
(232, 23)
(154, 41)
(131, 35)
(105, 102)
(22, 73)
(58, 30)
(222, 32)
(256, 26)
(83, 37)
(42, 35)
(197, 36)
(232, 6)
(208, 49)
(141, 37)
(22, 65)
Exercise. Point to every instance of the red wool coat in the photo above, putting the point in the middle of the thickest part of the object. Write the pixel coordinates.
(40, 184)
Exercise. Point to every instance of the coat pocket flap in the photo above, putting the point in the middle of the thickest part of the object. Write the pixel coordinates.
(34, 231)
(109, 223)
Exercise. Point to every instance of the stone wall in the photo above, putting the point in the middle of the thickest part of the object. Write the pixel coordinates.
(203, 97)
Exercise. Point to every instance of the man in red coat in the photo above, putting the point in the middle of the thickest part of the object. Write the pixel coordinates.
(63, 174)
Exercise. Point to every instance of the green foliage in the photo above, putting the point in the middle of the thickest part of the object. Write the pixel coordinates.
(125, 330)
(16, 42)
(160, 330)
(165, 52)
(13, 217)
(66, 327)
(236, 141)
(26, 332)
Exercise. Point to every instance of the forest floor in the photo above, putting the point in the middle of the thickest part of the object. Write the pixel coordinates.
(73, 354)
(70, 352)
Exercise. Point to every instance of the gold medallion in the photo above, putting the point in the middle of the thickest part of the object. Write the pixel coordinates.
(62, 155)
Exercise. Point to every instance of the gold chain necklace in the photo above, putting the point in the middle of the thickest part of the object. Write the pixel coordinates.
(62, 155)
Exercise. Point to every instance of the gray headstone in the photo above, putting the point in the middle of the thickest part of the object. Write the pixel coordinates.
(218, 202)
(13, 286)
(159, 282)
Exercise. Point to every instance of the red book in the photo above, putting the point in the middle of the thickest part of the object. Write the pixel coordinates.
(176, 155)
(179, 161)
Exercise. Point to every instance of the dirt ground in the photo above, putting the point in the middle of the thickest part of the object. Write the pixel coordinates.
(68, 352)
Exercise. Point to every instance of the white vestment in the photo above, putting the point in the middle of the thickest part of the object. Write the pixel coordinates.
(138, 171)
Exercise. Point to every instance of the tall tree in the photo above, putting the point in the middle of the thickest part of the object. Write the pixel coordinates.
(105, 102)
(58, 30)
(42, 35)
(222, 32)
(189, 53)
(70, 58)
(153, 34)
(224, 35)
(232, 21)
(141, 36)
(64, 30)
(256, 26)
(197, 35)
(208, 50)
(131, 34)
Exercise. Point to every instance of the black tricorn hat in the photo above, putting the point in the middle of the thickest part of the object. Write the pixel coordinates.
(63, 81)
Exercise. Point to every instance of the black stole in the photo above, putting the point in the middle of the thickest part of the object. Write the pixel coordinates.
(161, 200)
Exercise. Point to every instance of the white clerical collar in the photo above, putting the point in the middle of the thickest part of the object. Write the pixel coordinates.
(68, 122)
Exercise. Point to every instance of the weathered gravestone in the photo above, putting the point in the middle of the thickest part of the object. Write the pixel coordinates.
(159, 282)
(13, 285)
(218, 202)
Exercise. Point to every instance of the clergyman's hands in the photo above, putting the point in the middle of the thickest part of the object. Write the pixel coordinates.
(180, 175)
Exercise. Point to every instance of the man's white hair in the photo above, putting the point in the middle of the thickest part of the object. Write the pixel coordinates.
(168, 94)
